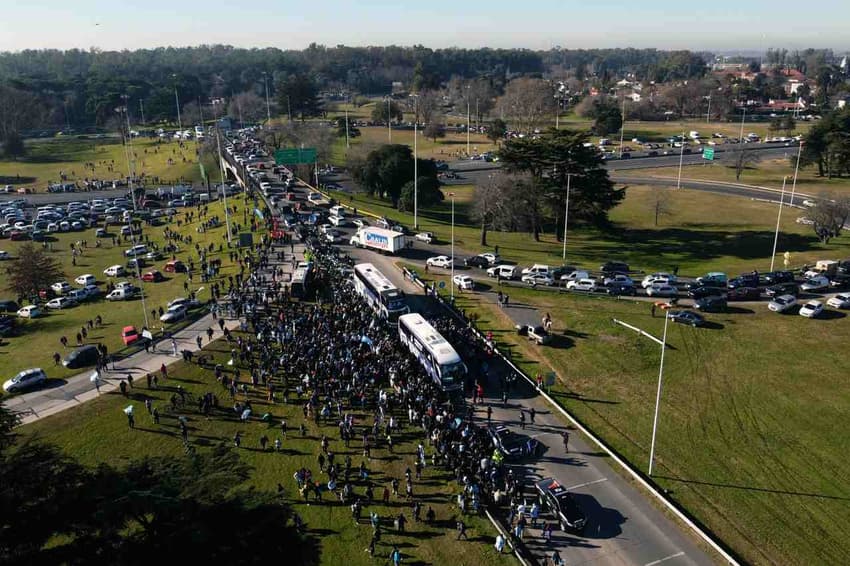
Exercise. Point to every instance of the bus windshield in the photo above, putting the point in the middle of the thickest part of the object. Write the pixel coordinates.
(450, 373)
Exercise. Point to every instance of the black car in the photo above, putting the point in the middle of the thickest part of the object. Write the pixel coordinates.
(711, 304)
(7, 325)
(562, 270)
(782, 289)
(614, 267)
(562, 504)
(81, 357)
(743, 294)
(621, 289)
(774, 277)
(512, 445)
(746, 280)
(844, 267)
(477, 261)
(704, 291)
(686, 317)
(9, 306)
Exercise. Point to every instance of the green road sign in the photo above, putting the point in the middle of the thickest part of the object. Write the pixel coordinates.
(708, 153)
(295, 156)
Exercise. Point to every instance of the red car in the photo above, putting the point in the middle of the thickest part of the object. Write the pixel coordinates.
(175, 266)
(17, 235)
(153, 276)
(129, 335)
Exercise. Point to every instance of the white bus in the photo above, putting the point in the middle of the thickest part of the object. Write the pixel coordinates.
(299, 286)
(379, 292)
(434, 352)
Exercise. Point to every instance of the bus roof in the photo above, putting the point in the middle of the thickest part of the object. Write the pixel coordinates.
(375, 278)
(442, 351)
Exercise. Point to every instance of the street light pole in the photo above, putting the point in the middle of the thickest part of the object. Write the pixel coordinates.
(796, 169)
(467, 128)
(223, 187)
(622, 126)
(708, 114)
(268, 105)
(389, 121)
(453, 247)
(177, 102)
(681, 160)
(566, 217)
(347, 144)
(415, 177)
(658, 394)
(743, 117)
(778, 217)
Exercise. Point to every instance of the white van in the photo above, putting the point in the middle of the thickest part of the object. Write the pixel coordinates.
(337, 220)
(575, 276)
(338, 211)
(204, 197)
(503, 271)
(120, 294)
(537, 268)
(694, 135)
(139, 249)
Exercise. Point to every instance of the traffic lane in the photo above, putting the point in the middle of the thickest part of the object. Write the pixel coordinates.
(628, 529)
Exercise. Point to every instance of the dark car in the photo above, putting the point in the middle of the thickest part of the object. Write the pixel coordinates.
(711, 304)
(562, 504)
(746, 280)
(686, 317)
(844, 267)
(81, 357)
(477, 261)
(706, 283)
(743, 294)
(704, 291)
(512, 445)
(614, 267)
(7, 325)
(782, 289)
(774, 277)
(557, 272)
(9, 306)
(620, 289)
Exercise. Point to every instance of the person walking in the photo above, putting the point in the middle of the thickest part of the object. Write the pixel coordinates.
(522, 419)
(131, 420)
(461, 530)
(500, 543)
(566, 437)
(531, 414)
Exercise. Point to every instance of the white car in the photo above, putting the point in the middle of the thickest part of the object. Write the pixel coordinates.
(61, 287)
(536, 268)
(426, 237)
(818, 283)
(812, 309)
(174, 313)
(25, 379)
(439, 261)
(783, 303)
(114, 271)
(4, 255)
(360, 223)
(464, 282)
(87, 279)
(183, 301)
(575, 275)
(661, 290)
(61, 303)
(618, 279)
(502, 271)
(29, 311)
(538, 279)
(660, 278)
(491, 257)
(840, 301)
(585, 284)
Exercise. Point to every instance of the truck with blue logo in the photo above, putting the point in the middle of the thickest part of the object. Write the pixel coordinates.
(379, 239)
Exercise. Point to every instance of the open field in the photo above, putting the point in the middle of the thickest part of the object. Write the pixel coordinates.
(48, 159)
(749, 434)
(97, 432)
(703, 232)
(36, 340)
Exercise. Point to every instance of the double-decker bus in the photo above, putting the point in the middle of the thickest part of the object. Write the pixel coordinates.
(379, 292)
(434, 352)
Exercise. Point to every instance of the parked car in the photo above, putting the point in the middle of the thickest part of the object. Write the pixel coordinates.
(818, 283)
(503, 271)
(701, 292)
(61, 287)
(619, 278)
(614, 267)
(588, 285)
(87, 279)
(686, 317)
(426, 237)
(711, 304)
(775, 277)
(536, 268)
(661, 290)
(562, 504)
(575, 275)
(81, 357)
(25, 380)
(153, 276)
(746, 280)
(8, 306)
(714, 278)
(493, 258)
(129, 334)
(840, 301)
(61, 303)
(654, 278)
(174, 313)
(511, 445)
(783, 303)
(463, 282)
(812, 309)
(175, 266)
(536, 333)
(29, 311)
(782, 289)
(114, 271)
(477, 261)
(439, 261)
(743, 294)
(621, 289)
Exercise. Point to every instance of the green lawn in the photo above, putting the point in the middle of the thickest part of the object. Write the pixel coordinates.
(97, 432)
(702, 232)
(37, 339)
(47, 159)
(750, 434)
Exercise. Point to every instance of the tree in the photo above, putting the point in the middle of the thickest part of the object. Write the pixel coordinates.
(660, 203)
(13, 146)
(299, 95)
(497, 130)
(343, 129)
(388, 168)
(489, 206)
(740, 159)
(528, 102)
(428, 194)
(247, 107)
(379, 112)
(33, 271)
(434, 130)
(829, 216)
(191, 114)
(827, 144)
(426, 106)
(608, 119)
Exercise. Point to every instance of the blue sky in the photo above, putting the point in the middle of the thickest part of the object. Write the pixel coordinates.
(537, 24)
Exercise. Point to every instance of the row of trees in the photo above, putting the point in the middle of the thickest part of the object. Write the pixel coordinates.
(827, 145)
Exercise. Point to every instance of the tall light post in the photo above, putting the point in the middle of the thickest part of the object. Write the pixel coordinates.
(566, 217)
(177, 102)
(681, 160)
(347, 143)
(778, 217)
(415, 164)
(389, 120)
(468, 125)
(622, 126)
(268, 104)
(223, 188)
(708, 114)
(796, 170)
(743, 118)
(453, 247)
(658, 394)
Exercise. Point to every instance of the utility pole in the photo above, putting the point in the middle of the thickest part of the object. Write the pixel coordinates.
(566, 217)
(347, 144)
(142, 110)
(622, 126)
(658, 394)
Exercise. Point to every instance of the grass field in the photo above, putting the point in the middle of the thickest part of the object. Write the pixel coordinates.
(37, 339)
(46, 160)
(97, 431)
(750, 437)
(703, 232)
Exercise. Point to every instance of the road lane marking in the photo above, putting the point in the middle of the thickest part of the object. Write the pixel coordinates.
(600, 480)
(678, 554)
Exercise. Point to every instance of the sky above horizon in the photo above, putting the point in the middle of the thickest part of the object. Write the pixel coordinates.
(720, 25)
